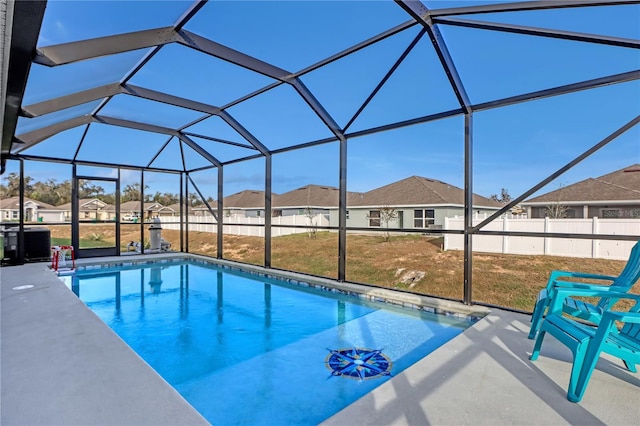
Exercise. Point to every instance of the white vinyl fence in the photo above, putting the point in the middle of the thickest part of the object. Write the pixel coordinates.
(209, 224)
(572, 247)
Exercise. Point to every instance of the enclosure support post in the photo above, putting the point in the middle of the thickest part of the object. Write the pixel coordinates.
(186, 217)
(75, 212)
(342, 212)
(220, 228)
(181, 201)
(267, 212)
(142, 211)
(468, 206)
(118, 242)
(21, 211)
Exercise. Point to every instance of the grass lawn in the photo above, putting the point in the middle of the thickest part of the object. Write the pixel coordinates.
(506, 280)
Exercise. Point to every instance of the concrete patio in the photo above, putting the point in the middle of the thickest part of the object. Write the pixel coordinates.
(62, 365)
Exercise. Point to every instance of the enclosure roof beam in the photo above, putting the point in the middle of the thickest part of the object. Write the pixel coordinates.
(224, 141)
(160, 151)
(421, 13)
(136, 125)
(635, 121)
(165, 98)
(203, 198)
(29, 139)
(20, 29)
(317, 107)
(158, 129)
(560, 90)
(78, 98)
(243, 132)
(197, 148)
(540, 32)
(220, 51)
(406, 123)
(240, 160)
(91, 163)
(386, 77)
(75, 51)
(363, 44)
(189, 13)
(71, 100)
(525, 5)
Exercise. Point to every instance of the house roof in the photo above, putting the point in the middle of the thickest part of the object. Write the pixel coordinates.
(309, 195)
(418, 191)
(621, 185)
(313, 196)
(176, 207)
(85, 204)
(249, 198)
(134, 206)
(13, 203)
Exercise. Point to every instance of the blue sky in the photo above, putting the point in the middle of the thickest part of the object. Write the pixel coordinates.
(514, 147)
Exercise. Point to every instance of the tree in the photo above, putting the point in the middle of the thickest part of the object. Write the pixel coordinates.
(387, 214)
(311, 221)
(46, 192)
(166, 198)
(557, 210)
(12, 186)
(63, 192)
(193, 199)
(86, 190)
(504, 197)
(131, 192)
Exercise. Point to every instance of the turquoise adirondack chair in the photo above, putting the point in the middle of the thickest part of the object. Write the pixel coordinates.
(587, 342)
(579, 309)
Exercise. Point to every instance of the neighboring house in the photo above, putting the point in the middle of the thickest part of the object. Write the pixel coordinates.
(614, 195)
(202, 209)
(248, 203)
(131, 209)
(421, 203)
(175, 209)
(314, 199)
(90, 208)
(34, 211)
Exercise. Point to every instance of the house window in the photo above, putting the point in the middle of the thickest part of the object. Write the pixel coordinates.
(347, 214)
(259, 213)
(374, 217)
(423, 218)
(15, 214)
(276, 213)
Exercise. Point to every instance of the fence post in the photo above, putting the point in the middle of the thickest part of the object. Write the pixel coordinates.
(445, 244)
(547, 241)
(505, 238)
(594, 242)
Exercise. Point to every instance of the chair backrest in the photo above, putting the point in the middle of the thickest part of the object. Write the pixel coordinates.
(629, 275)
(632, 329)
(631, 271)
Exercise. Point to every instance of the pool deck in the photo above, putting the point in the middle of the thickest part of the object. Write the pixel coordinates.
(61, 365)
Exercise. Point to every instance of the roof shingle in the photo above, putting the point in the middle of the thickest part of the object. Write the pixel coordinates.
(621, 185)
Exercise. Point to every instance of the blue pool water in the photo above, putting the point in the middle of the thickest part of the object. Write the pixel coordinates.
(247, 349)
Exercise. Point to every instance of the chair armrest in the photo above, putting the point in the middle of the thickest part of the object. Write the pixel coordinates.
(562, 293)
(555, 275)
(633, 317)
(586, 286)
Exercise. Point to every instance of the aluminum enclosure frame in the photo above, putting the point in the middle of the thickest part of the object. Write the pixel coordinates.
(420, 15)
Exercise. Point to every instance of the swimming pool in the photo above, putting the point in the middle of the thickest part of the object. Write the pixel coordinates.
(249, 349)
